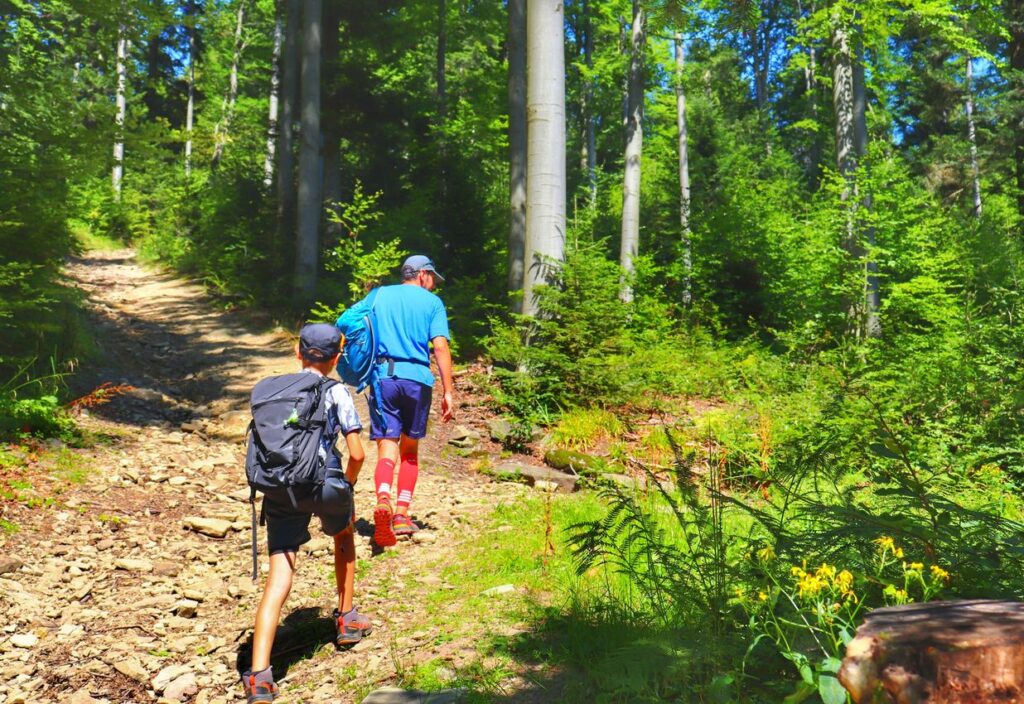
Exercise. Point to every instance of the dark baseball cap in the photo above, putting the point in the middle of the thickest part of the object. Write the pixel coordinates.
(420, 262)
(319, 342)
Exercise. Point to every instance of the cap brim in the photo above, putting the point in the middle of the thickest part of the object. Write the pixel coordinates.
(435, 273)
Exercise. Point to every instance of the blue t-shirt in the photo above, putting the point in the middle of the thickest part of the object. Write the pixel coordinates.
(408, 318)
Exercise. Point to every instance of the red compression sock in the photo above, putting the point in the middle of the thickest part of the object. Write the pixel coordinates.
(382, 478)
(408, 473)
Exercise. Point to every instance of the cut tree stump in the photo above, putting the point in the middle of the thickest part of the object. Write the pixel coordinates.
(943, 652)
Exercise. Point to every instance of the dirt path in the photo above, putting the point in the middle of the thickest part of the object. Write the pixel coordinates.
(105, 589)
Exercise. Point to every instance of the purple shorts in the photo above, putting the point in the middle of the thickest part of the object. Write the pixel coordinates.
(405, 405)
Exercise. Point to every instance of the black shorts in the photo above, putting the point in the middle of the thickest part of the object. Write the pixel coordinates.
(288, 522)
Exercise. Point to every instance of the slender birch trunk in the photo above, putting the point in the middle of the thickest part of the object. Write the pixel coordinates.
(310, 187)
(517, 147)
(117, 175)
(545, 161)
(684, 171)
(630, 241)
(842, 103)
(286, 124)
(275, 89)
(227, 110)
(972, 138)
(191, 80)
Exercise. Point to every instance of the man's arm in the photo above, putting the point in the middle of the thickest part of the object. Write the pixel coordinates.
(443, 353)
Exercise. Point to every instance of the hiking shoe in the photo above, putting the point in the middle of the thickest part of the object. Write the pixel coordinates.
(383, 533)
(403, 525)
(350, 627)
(259, 686)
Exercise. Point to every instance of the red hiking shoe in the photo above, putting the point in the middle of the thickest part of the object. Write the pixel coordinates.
(383, 533)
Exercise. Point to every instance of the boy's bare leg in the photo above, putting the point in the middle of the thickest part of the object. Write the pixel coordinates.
(345, 567)
(268, 614)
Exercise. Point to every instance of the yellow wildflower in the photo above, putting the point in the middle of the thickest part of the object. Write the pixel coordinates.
(898, 553)
(844, 583)
(797, 571)
(825, 572)
(766, 554)
(885, 543)
(939, 573)
(810, 585)
(762, 596)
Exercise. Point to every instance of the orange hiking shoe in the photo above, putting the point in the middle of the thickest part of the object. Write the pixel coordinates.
(383, 533)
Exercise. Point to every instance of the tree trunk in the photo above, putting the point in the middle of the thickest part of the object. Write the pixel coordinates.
(191, 80)
(1015, 23)
(813, 159)
(286, 124)
(545, 161)
(589, 141)
(310, 200)
(684, 172)
(517, 147)
(945, 652)
(275, 89)
(117, 175)
(227, 110)
(442, 49)
(972, 138)
(630, 242)
(872, 299)
(331, 126)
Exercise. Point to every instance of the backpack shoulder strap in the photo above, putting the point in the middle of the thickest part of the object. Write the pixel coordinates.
(371, 297)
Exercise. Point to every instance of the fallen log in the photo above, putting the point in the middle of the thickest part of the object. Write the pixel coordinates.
(943, 652)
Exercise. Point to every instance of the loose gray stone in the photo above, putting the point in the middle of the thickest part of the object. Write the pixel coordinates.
(130, 667)
(186, 608)
(213, 527)
(395, 695)
(423, 536)
(500, 429)
(499, 590)
(132, 565)
(9, 564)
(182, 688)
(24, 640)
(168, 675)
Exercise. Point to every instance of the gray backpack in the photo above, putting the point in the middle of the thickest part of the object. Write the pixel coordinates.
(289, 417)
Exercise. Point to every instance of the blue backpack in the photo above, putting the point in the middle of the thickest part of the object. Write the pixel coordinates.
(359, 354)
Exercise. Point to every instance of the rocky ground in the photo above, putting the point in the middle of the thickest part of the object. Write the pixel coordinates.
(132, 584)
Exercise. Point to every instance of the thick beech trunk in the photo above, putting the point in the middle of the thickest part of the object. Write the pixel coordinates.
(286, 123)
(630, 241)
(227, 110)
(517, 147)
(332, 108)
(310, 202)
(684, 171)
(588, 160)
(120, 103)
(545, 161)
(275, 90)
(945, 652)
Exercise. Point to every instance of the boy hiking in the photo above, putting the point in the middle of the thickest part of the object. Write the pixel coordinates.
(294, 416)
(410, 318)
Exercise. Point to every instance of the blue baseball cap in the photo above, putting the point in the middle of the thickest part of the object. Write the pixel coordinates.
(319, 342)
(420, 262)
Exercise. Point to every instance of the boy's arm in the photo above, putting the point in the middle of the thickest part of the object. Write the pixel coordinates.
(356, 455)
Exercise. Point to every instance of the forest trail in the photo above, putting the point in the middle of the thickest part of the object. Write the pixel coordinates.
(108, 596)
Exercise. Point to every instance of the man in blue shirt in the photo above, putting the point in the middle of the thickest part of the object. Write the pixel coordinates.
(409, 319)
